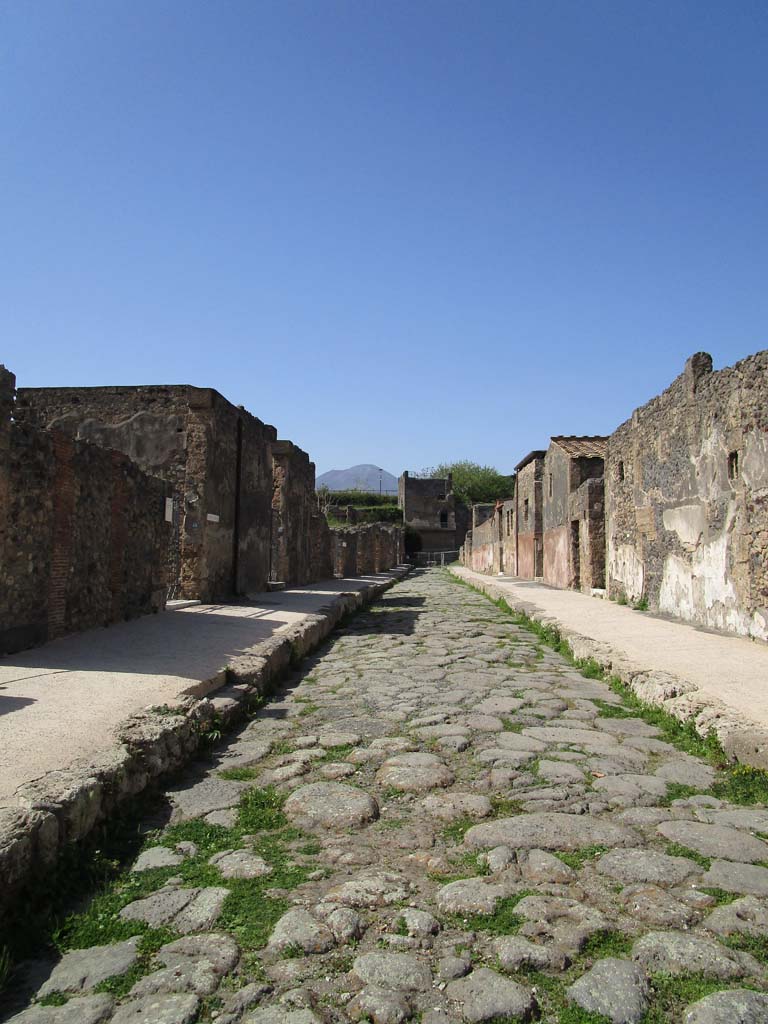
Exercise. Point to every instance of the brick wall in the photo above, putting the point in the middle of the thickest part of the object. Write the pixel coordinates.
(83, 536)
(215, 456)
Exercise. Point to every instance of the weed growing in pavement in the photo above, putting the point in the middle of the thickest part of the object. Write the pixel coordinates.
(577, 858)
(740, 784)
(456, 830)
(720, 896)
(503, 920)
(607, 942)
(677, 850)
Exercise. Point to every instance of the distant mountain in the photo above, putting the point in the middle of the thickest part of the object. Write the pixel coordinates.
(364, 477)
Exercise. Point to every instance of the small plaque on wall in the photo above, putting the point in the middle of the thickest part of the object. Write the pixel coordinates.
(212, 518)
(169, 510)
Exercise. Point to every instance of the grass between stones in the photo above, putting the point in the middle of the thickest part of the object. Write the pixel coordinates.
(678, 850)
(503, 921)
(578, 858)
(673, 993)
(755, 945)
(739, 784)
(249, 912)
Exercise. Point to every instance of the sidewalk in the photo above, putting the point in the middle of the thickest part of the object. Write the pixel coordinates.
(61, 702)
(721, 681)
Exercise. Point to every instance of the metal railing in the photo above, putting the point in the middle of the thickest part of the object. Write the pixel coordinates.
(429, 559)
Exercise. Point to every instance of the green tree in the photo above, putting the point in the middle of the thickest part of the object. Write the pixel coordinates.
(473, 483)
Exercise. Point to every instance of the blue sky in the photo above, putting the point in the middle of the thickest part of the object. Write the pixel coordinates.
(400, 231)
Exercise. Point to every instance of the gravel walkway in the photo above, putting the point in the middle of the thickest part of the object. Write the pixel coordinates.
(437, 820)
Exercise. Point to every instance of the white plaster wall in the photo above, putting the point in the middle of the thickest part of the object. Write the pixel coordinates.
(626, 566)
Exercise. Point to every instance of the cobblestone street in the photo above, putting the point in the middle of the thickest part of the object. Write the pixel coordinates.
(438, 818)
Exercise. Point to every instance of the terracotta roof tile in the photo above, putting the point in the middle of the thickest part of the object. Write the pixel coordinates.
(585, 447)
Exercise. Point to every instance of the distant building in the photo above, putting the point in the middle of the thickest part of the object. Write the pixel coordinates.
(431, 509)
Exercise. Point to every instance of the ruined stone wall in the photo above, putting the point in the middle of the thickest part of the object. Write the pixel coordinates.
(215, 456)
(293, 510)
(687, 498)
(366, 557)
(484, 546)
(321, 548)
(508, 538)
(556, 485)
(530, 551)
(587, 508)
(83, 536)
(344, 547)
(386, 544)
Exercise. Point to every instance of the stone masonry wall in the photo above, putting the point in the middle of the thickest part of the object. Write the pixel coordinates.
(484, 546)
(530, 552)
(83, 535)
(587, 507)
(293, 509)
(344, 546)
(430, 508)
(557, 568)
(687, 498)
(215, 456)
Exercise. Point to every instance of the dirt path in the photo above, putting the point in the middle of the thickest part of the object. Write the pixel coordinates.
(437, 820)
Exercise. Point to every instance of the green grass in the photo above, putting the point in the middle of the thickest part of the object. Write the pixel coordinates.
(608, 710)
(677, 850)
(577, 858)
(743, 785)
(510, 726)
(571, 1014)
(54, 999)
(739, 784)
(721, 896)
(248, 912)
(456, 830)
(679, 791)
(673, 993)
(503, 921)
(607, 942)
(503, 807)
(338, 753)
(755, 945)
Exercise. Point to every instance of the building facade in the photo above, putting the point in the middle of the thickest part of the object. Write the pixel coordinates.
(573, 513)
(529, 516)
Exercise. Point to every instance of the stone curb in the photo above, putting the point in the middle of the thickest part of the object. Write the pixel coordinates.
(63, 807)
(742, 740)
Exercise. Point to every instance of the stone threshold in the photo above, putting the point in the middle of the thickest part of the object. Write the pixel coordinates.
(63, 807)
(742, 740)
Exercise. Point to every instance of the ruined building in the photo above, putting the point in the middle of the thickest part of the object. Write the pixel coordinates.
(430, 509)
(573, 513)
(670, 511)
(301, 539)
(83, 532)
(529, 517)
(687, 498)
(215, 456)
